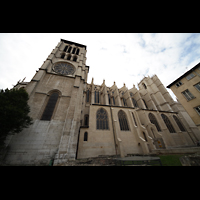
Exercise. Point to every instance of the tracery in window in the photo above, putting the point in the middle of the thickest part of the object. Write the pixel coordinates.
(154, 121)
(168, 123)
(180, 125)
(123, 121)
(102, 119)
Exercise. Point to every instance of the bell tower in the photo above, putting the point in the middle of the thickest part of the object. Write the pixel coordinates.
(55, 100)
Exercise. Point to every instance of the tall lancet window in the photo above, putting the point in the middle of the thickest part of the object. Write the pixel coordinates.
(48, 111)
(102, 119)
(153, 120)
(77, 52)
(113, 100)
(123, 121)
(96, 96)
(109, 99)
(180, 125)
(88, 96)
(168, 124)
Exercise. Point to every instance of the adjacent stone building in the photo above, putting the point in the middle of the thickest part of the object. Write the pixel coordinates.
(187, 90)
(74, 119)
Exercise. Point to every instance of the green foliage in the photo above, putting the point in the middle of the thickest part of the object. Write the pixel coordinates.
(170, 160)
(14, 111)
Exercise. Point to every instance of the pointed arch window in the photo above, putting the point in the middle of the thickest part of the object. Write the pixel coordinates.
(123, 121)
(168, 123)
(145, 87)
(102, 119)
(180, 125)
(48, 111)
(154, 121)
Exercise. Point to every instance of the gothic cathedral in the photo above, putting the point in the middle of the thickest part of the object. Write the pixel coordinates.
(74, 119)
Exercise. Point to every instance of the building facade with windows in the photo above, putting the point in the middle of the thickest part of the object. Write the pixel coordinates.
(75, 119)
(187, 90)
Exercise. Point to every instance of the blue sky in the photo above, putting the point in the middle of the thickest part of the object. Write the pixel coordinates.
(123, 58)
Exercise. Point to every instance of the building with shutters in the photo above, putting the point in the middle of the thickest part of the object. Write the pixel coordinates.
(74, 119)
(187, 90)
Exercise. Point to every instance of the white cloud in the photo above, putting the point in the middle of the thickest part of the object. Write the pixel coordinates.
(123, 58)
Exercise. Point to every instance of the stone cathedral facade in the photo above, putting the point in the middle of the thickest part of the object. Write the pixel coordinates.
(73, 119)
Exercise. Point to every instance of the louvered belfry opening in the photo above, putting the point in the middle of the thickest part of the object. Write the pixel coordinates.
(47, 114)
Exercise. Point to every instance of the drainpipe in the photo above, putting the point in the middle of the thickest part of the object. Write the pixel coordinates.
(113, 131)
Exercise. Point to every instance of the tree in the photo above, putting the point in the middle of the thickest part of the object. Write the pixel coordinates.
(14, 111)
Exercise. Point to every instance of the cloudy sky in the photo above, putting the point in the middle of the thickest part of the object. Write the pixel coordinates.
(123, 58)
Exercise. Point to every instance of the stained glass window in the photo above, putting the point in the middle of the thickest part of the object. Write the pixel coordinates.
(102, 119)
(123, 121)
